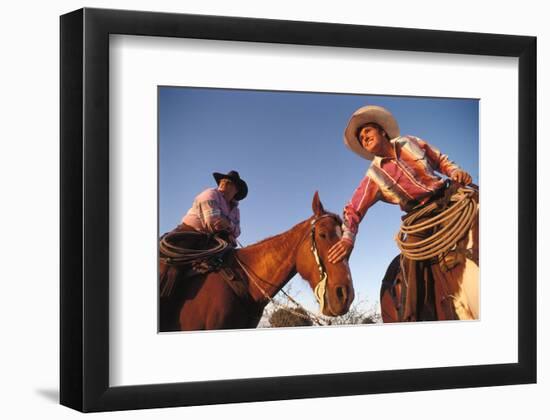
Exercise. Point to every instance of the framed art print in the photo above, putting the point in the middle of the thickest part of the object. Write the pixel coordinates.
(212, 168)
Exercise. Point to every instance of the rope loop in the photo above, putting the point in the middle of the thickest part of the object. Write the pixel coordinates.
(173, 254)
(450, 226)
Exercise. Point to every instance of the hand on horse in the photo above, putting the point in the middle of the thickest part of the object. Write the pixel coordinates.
(339, 251)
(461, 176)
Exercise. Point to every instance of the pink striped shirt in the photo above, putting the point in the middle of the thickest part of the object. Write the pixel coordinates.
(408, 180)
(211, 212)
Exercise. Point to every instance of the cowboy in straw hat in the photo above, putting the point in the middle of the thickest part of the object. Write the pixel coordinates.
(216, 210)
(402, 171)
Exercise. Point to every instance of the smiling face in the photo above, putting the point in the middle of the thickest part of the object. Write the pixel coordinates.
(373, 138)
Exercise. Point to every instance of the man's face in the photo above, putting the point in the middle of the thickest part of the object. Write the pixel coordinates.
(372, 139)
(227, 186)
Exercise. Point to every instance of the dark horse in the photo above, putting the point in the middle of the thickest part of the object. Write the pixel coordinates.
(445, 287)
(207, 302)
(392, 299)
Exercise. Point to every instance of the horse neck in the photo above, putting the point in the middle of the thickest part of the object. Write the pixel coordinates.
(272, 262)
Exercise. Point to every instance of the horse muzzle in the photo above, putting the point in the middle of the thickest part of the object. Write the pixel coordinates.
(340, 299)
(336, 300)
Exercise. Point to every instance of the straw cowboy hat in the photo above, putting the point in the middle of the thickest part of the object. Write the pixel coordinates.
(233, 176)
(369, 114)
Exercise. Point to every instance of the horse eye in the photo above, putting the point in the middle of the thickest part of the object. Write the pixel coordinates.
(323, 235)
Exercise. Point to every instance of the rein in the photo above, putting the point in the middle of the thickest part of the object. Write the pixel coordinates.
(254, 277)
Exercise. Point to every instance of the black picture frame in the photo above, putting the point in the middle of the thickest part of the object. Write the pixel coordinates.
(84, 125)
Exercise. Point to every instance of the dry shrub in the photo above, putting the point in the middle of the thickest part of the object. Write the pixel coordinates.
(286, 317)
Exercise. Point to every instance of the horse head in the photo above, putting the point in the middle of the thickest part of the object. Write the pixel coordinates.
(331, 283)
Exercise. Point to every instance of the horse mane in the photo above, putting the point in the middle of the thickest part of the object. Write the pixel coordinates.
(274, 238)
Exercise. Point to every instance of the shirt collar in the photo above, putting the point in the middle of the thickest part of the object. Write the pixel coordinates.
(379, 159)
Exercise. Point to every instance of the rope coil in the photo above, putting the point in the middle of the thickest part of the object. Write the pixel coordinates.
(450, 226)
(173, 254)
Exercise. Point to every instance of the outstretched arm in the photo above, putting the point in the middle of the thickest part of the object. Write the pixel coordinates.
(364, 197)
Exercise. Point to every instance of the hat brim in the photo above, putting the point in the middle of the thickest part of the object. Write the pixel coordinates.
(369, 114)
(242, 187)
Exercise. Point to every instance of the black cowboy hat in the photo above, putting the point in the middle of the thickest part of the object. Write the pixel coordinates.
(233, 176)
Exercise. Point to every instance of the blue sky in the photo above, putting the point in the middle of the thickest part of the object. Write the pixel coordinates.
(287, 145)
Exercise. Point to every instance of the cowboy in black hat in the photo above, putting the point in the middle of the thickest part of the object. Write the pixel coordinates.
(216, 210)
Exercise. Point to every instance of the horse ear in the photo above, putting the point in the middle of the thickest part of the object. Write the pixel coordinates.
(317, 206)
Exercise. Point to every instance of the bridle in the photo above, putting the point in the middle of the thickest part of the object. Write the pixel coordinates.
(321, 288)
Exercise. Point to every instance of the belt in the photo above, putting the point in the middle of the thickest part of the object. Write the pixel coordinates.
(438, 194)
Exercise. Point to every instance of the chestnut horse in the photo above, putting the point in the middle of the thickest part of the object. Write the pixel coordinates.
(207, 302)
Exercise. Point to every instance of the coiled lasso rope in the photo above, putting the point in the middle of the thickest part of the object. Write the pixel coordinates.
(173, 254)
(453, 224)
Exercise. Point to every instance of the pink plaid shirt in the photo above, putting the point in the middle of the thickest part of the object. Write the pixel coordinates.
(211, 212)
(408, 180)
